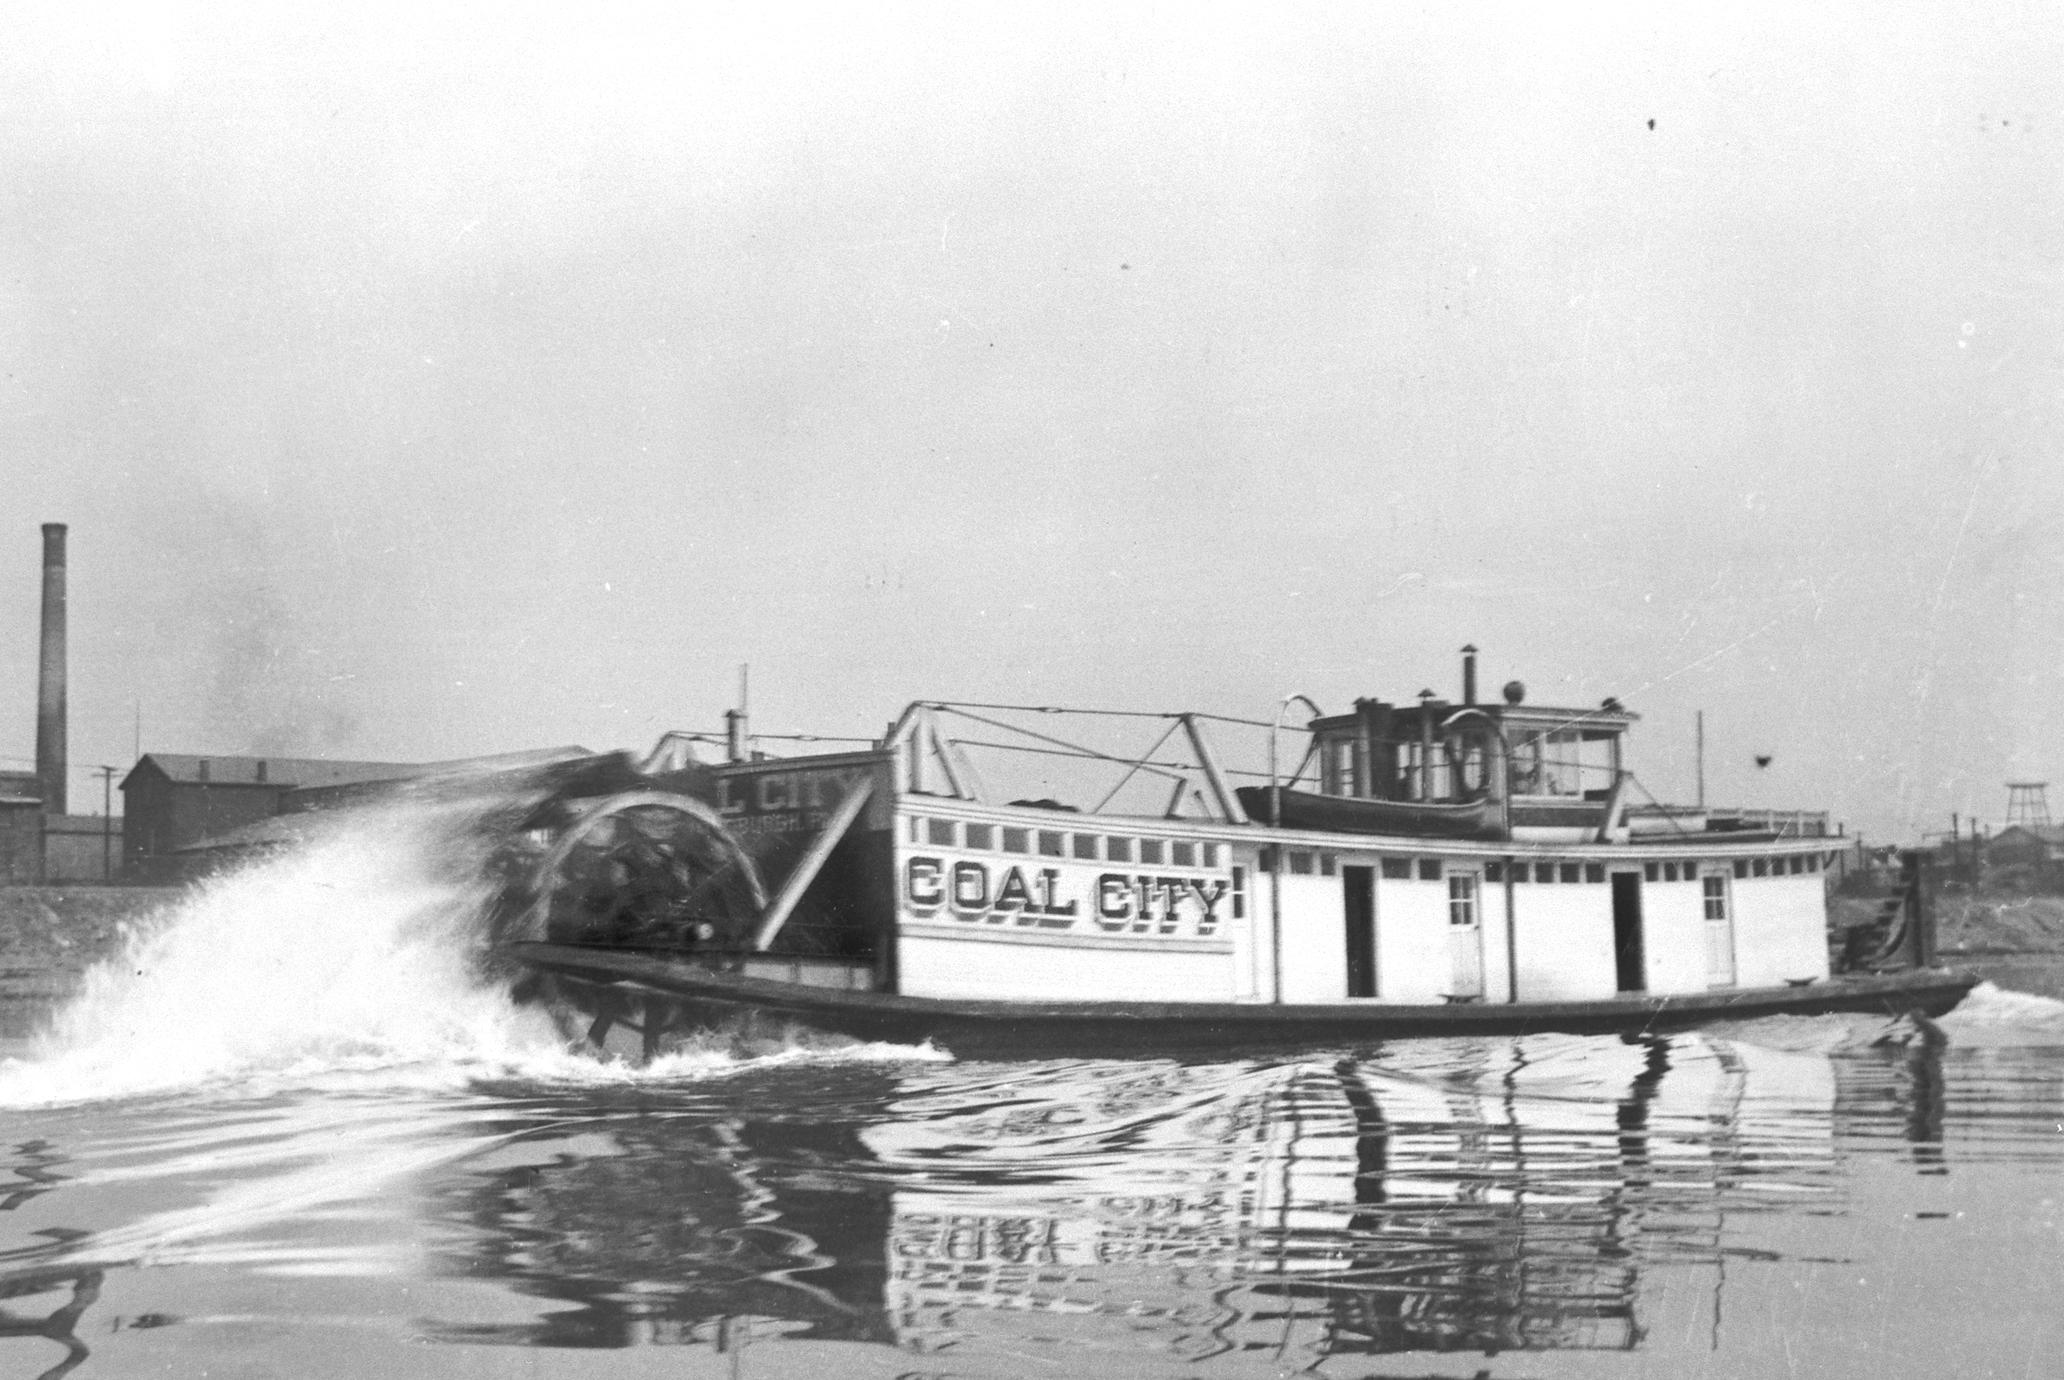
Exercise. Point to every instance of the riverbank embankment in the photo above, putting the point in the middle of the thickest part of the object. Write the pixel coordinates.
(2010, 938)
(50, 935)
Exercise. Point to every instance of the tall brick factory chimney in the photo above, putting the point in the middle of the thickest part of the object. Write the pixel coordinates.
(50, 683)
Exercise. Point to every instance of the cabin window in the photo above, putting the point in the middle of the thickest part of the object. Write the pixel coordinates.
(1336, 768)
(1150, 852)
(1651, 871)
(1300, 864)
(1239, 893)
(1326, 861)
(1118, 848)
(1397, 869)
(1462, 898)
(1798, 862)
(1494, 872)
(1572, 872)
(1522, 872)
(1429, 869)
(1265, 860)
(939, 833)
(1086, 846)
(1544, 872)
(1016, 840)
(1761, 867)
(1052, 843)
(981, 836)
(1594, 872)
(1813, 862)
(1716, 896)
(1210, 855)
(1741, 867)
(1182, 854)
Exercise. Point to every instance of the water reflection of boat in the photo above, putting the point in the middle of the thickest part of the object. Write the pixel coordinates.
(1548, 1193)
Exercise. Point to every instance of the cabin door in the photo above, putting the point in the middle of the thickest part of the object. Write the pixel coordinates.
(1719, 929)
(1465, 935)
(1359, 887)
(1628, 961)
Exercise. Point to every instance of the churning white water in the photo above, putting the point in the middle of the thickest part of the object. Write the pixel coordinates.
(356, 960)
(359, 951)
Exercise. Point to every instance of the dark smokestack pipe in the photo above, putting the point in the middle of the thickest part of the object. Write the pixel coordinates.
(1469, 675)
(50, 683)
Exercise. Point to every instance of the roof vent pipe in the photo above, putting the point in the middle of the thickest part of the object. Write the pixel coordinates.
(50, 682)
(1468, 676)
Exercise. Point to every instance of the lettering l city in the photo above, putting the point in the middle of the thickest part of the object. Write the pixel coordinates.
(1120, 902)
(771, 792)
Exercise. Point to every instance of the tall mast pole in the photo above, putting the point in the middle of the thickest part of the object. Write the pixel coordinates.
(1702, 759)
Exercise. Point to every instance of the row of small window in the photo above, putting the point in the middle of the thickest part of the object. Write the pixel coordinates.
(1058, 843)
(1544, 873)
(1776, 867)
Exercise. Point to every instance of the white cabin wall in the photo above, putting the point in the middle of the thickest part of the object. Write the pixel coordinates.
(1314, 936)
(1412, 962)
(1780, 929)
(1673, 940)
(996, 970)
(1565, 941)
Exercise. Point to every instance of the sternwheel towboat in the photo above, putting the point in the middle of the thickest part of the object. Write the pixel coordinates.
(1424, 868)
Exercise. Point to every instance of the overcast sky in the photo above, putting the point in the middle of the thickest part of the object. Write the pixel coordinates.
(426, 380)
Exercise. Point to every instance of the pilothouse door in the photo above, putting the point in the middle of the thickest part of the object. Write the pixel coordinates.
(1465, 936)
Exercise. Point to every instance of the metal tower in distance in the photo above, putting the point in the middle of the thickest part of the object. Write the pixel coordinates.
(2026, 803)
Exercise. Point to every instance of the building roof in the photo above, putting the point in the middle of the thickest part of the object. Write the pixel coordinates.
(301, 773)
(2052, 834)
(266, 771)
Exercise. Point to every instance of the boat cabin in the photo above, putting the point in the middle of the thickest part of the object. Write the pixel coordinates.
(1418, 852)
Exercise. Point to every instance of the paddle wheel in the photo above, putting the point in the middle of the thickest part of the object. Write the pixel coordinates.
(646, 869)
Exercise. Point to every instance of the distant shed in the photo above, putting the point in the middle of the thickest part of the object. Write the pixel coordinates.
(21, 828)
(187, 815)
(2034, 851)
(175, 799)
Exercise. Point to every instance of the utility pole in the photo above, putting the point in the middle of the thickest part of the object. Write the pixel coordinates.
(107, 822)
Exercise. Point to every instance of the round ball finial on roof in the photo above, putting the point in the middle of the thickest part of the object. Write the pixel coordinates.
(1515, 691)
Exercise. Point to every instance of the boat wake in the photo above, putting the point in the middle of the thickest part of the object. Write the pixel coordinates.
(357, 961)
(1999, 1015)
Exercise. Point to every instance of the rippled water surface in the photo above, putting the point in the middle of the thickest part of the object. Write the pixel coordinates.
(355, 1159)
